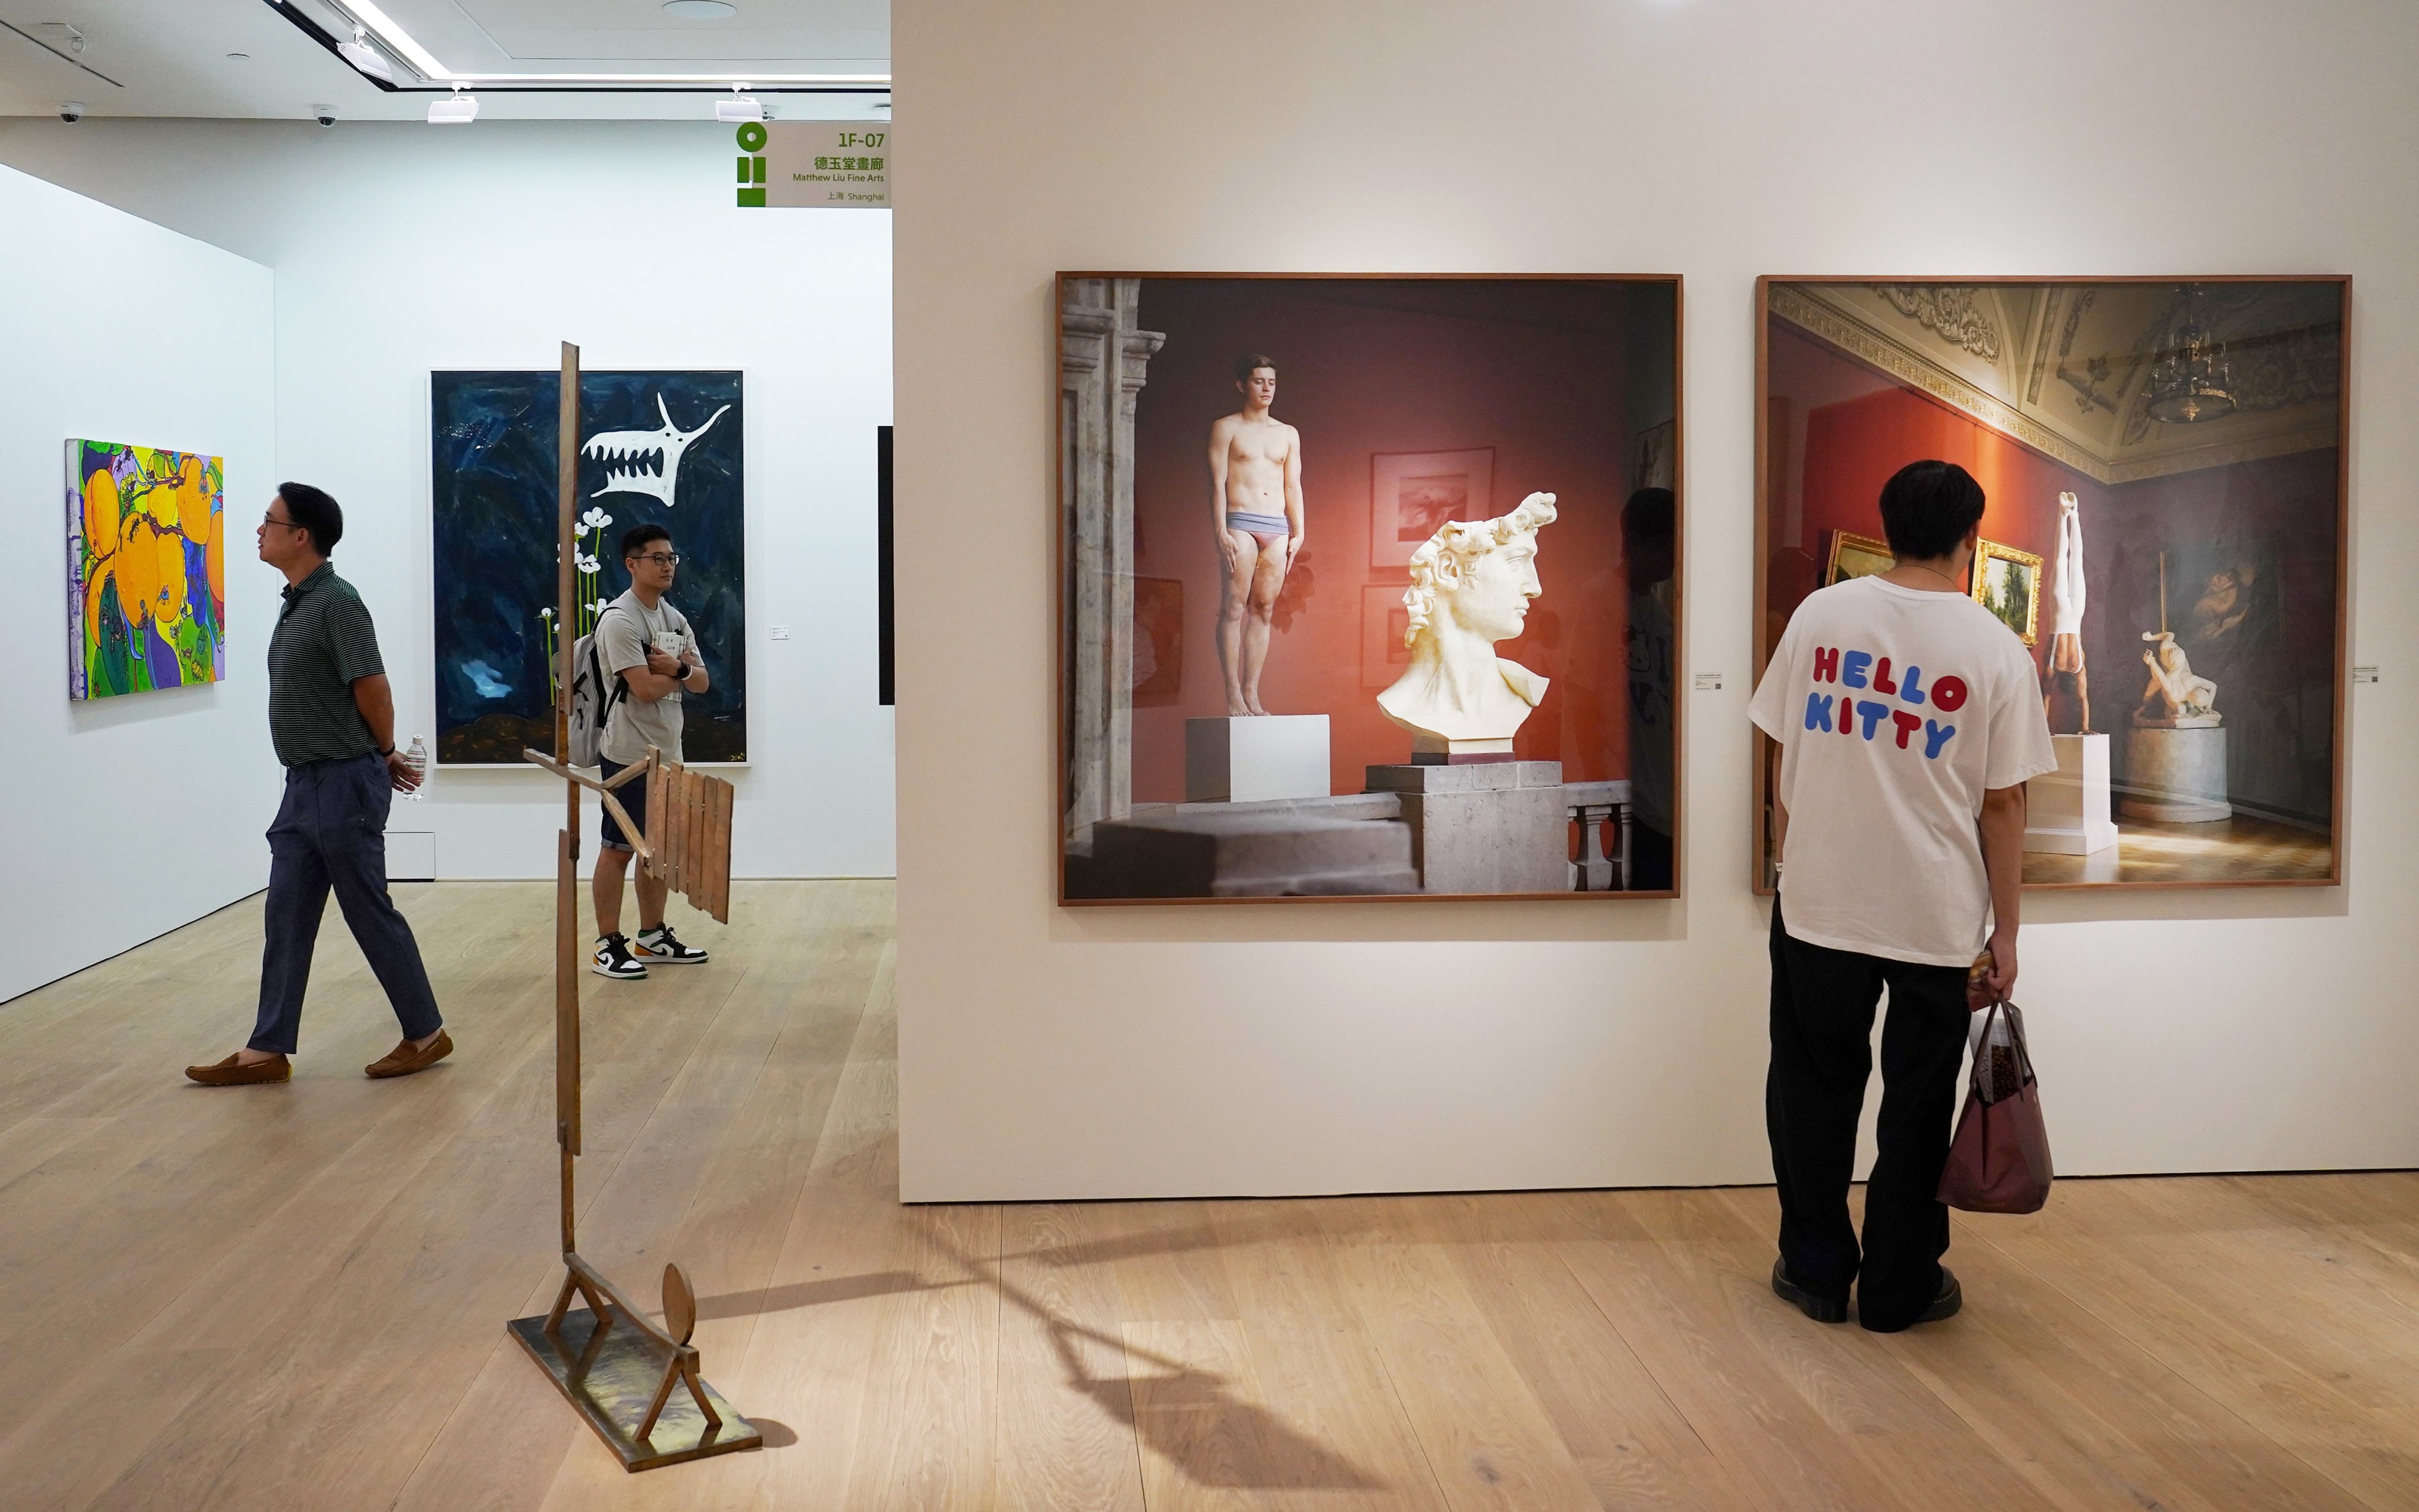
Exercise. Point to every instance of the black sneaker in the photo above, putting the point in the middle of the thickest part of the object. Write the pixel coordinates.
(1820, 1308)
(661, 947)
(613, 959)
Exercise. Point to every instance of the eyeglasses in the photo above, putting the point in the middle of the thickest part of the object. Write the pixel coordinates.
(271, 520)
(669, 559)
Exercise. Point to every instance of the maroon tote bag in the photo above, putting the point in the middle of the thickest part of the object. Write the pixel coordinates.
(1998, 1161)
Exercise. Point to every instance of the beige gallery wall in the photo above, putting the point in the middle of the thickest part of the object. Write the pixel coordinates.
(1050, 1053)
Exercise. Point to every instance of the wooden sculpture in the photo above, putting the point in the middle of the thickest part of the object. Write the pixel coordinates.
(611, 1360)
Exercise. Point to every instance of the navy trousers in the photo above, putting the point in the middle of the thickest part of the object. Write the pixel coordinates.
(1823, 1003)
(331, 832)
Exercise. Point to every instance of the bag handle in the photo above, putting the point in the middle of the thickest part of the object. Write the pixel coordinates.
(2015, 1043)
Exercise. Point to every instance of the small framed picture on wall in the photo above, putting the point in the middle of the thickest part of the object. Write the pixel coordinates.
(1856, 555)
(2007, 583)
(1412, 494)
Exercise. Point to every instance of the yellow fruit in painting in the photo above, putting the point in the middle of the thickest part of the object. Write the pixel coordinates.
(199, 519)
(101, 514)
(169, 606)
(138, 570)
(214, 557)
(165, 501)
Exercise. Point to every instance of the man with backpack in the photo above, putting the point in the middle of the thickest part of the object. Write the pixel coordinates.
(644, 646)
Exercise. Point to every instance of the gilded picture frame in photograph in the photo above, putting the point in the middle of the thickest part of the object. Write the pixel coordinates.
(2177, 446)
(2007, 583)
(1856, 555)
(1475, 683)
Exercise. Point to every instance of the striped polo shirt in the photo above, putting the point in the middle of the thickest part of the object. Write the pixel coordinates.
(324, 642)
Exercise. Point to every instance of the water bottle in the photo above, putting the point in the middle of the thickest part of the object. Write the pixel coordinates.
(417, 758)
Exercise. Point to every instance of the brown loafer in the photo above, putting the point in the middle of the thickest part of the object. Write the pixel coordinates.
(229, 1072)
(404, 1059)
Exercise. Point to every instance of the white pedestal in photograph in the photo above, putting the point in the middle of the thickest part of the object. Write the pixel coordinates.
(2176, 774)
(1254, 758)
(2068, 807)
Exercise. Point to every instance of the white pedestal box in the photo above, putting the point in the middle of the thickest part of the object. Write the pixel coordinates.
(2067, 809)
(1254, 758)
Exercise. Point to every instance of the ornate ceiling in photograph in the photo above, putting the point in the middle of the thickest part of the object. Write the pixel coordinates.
(2069, 368)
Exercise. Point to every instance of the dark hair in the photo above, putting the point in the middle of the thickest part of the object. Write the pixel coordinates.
(1649, 516)
(639, 537)
(1245, 367)
(315, 511)
(1927, 508)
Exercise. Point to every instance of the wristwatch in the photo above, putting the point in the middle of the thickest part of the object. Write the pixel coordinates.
(384, 754)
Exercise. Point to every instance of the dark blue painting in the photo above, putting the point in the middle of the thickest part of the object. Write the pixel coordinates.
(655, 447)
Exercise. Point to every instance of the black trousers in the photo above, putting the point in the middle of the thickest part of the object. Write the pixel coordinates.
(1823, 1003)
(331, 834)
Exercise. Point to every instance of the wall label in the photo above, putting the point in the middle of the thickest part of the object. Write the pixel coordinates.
(2364, 674)
(1709, 681)
(836, 165)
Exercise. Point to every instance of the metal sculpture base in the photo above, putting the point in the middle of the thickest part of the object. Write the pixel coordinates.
(614, 1380)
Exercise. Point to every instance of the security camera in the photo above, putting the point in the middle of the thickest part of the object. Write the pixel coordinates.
(70, 110)
(324, 114)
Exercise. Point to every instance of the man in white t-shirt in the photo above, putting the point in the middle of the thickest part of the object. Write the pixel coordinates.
(1908, 719)
(648, 645)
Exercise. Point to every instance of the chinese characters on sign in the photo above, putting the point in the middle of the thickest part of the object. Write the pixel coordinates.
(815, 165)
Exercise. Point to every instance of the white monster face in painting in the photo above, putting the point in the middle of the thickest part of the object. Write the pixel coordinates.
(646, 461)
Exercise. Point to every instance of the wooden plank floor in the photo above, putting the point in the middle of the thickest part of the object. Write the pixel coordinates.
(294, 1297)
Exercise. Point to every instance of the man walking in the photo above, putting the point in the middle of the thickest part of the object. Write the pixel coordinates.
(648, 645)
(1908, 719)
(332, 720)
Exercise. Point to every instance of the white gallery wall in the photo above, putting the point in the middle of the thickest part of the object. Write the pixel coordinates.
(1161, 1051)
(401, 248)
(125, 817)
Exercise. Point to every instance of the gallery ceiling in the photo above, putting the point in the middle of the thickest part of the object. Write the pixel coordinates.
(548, 59)
(2068, 368)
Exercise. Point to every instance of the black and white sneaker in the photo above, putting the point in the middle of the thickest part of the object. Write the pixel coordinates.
(613, 958)
(660, 945)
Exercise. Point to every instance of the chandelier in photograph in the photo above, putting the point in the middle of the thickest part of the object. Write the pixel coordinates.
(2190, 381)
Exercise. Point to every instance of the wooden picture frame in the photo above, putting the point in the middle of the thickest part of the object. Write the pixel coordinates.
(1106, 355)
(1984, 587)
(1782, 444)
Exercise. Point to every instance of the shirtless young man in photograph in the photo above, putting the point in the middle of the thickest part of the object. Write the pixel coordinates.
(1255, 508)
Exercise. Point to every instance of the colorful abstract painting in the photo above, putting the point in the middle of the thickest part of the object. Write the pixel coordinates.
(656, 448)
(147, 569)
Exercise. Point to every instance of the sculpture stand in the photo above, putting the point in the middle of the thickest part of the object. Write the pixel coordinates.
(1255, 757)
(2177, 773)
(2068, 807)
(1491, 827)
(610, 1360)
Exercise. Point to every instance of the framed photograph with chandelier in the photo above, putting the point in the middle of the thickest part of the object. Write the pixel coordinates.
(2165, 463)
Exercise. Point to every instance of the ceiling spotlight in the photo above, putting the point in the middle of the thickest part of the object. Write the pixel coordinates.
(365, 58)
(739, 108)
(700, 10)
(456, 110)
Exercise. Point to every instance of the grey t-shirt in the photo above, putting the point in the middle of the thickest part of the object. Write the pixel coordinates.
(624, 633)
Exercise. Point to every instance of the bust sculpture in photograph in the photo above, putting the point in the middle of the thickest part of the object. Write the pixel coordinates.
(1471, 587)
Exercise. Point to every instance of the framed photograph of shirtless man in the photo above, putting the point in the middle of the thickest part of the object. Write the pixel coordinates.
(2163, 466)
(1432, 598)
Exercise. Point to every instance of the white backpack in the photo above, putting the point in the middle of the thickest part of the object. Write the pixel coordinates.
(594, 691)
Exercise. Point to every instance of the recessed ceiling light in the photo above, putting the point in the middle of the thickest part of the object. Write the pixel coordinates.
(700, 10)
